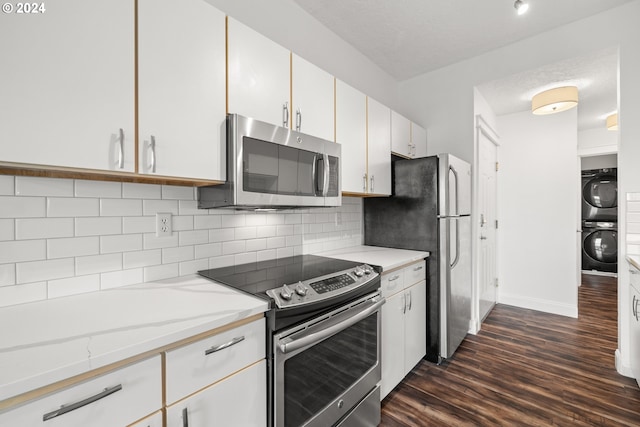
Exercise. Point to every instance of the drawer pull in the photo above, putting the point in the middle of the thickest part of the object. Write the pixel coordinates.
(234, 341)
(417, 268)
(72, 407)
(394, 278)
(185, 417)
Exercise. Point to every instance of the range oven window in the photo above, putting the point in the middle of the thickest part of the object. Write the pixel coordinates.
(316, 376)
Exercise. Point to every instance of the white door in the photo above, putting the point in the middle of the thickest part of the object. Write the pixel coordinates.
(312, 93)
(487, 260)
(181, 89)
(379, 148)
(418, 140)
(351, 132)
(259, 76)
(67, 86)
(415, 331)
(392, 340)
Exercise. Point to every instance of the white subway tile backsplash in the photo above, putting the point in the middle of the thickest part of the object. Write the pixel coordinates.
(35, 271)
(152, 207)
(633, 217)
(22, 250)
(70, 207)
(73, 246)
(633, 239)
(139, 224)
(22, 207)
(120, 243)
(142, 258)
(7, 229)
(68, 236)
(120, 207)
(92, 226)
(633, 227)
(35, 186)
(20, 294)
(117, 279)
(7, 185)
(7, 274)
(633, 206)
(177, 193)
(193, 237)
(98, 264)
(141, 191)
(73, 285)
(43, 228)
(100, 189)
(633, 197)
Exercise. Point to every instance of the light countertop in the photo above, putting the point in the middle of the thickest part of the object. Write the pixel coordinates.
(634, 260)
(48, 341)
(387, 258)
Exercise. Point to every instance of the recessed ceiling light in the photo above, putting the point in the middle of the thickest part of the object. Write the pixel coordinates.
(521, 7)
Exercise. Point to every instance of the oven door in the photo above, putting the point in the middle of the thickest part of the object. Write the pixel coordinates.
(325, 367)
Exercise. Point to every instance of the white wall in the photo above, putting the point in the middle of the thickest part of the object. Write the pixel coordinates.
(538, 204)
(61, 237)
(443, 102)
(286, 23)
(597, 142)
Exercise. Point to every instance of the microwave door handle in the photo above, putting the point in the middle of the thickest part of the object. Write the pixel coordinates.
(316, 175)
(327, 173)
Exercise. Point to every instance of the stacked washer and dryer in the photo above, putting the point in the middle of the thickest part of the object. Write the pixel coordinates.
(600, 221)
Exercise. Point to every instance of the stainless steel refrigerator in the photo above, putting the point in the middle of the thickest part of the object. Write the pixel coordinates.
(429, 210)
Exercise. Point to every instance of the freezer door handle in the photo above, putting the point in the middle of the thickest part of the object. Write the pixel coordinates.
(455, 189)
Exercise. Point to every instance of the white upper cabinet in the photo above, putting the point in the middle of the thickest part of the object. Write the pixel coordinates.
(400, 135)
(181, 89)
(351, 132)
(258, 76)
(419, 140)
(67, 87)
(312, 96)
(379, 148)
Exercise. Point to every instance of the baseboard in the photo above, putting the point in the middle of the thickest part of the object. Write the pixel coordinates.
(540, 305)
(621, 367)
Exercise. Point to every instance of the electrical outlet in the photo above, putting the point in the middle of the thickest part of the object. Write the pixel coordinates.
(163, 225)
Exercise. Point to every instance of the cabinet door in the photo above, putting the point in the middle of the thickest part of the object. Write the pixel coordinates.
(419, 140)
(67, 87)
(312, 99)
(351, 132)
(118, 398)
(181, 88)
(634, 318)
(379, 148)
(154, 420)
(238, 400)
(401, 135)
(259, 75)
(415, 333)
(392, 342)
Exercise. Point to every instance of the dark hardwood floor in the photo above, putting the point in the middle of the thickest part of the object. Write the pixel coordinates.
(526, 368)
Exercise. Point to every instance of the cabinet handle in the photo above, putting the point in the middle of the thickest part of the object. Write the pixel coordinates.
(394, 278)
(72, 407)
(371, 179)
(634, 272)
(285, 115)
(234, 341)
(121, 149)
(404, 303)
(298, 120)
(364, 183)
(152, 146)
(634, 307)
(417, 268)
(410, 300)
(185, 417)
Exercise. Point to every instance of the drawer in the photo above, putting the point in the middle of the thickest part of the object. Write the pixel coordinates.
(415, 273)
(392, 283)
(197, 365)
(136, 391)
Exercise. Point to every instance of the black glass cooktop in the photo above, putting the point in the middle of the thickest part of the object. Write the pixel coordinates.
(257, 277)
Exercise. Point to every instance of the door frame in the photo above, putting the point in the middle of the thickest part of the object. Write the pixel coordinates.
(482, 127)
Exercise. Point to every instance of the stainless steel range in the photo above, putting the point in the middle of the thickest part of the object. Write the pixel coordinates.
(323, 338)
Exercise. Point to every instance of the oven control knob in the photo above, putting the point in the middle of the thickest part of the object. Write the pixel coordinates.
(301, 289)
(286, 293)
(358, 272)
(367, 270)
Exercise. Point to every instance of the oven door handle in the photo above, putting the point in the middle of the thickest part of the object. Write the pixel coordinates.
(312, 338)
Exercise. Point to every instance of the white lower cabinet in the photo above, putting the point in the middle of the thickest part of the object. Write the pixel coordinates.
(404, 323)
(239, 400)
(634, 329)
(118, 398)
(154, 420)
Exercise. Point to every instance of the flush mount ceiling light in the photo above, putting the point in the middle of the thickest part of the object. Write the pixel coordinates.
(554, 100)
(521, 7)
(612, 121)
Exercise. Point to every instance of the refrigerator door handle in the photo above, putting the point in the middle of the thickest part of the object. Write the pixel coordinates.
(457, 256)
(455, 186)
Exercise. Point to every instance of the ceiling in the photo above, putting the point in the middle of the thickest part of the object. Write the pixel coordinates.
(407, 38)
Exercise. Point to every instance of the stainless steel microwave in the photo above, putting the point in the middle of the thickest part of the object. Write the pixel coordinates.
(272, 167)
